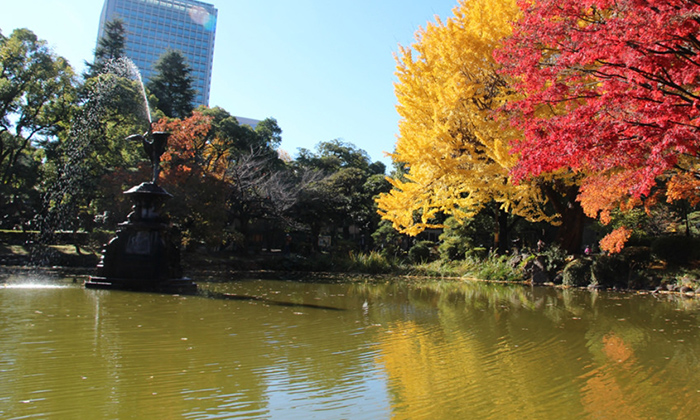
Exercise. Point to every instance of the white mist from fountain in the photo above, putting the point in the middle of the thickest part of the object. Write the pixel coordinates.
(76, 171)
(124, 67)
(137, 74)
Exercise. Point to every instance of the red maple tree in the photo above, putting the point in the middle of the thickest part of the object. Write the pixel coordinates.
(608, 88)
(199, 203)
(187, 140)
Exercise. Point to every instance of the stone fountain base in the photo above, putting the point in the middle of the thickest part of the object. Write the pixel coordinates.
(144, 255)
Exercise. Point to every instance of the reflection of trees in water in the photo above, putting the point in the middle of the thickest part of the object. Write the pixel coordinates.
(645, 351)
(476, 358)
(173, 352)
(199, 355)
(603, 395)
(310, 339)
(156, 356)
(459, 350)
(495, 350)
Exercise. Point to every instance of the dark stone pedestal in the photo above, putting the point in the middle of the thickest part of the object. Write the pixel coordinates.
(143, 256)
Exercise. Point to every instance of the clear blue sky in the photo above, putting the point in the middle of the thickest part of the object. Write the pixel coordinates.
(323, 68)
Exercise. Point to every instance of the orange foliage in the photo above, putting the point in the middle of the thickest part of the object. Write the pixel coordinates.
(616, 349)
(199, 187)
(683, 186)
(604, 396)
(600, 194)
(615, 240)
(187, 139)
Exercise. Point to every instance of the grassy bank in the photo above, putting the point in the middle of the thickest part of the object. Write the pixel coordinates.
(33, 254)
(635, 268)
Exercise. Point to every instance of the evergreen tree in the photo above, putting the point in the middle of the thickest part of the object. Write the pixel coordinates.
(344, 197)
(110, 47)
(172, 85)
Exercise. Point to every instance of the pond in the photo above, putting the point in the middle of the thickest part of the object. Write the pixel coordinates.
(405, 349)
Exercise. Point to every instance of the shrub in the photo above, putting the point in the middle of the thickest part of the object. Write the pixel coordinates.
(609, 270)
(291, 262)
(372, 263)
(555, 258)
(577, 273)
(453, 249)
(344, 246)
(498, 268)
(458, 237)
(639, 256)
(387, 239)
(479, 253)
(421, 252)
(676, 250)
(318, 262)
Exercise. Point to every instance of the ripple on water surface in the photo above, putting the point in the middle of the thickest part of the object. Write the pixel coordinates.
(265, 349)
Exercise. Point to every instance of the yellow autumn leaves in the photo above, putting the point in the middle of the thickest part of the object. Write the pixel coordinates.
(456, 152)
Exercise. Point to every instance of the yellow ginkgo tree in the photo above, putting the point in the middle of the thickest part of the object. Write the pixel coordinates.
(453, 143)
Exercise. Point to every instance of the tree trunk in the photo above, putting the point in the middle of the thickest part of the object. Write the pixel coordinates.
(244, 229)
(503, 231)
(315, 232)
(570, 233)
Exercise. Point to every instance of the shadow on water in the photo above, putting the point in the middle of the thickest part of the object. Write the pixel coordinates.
(40, 280)
(229, 296)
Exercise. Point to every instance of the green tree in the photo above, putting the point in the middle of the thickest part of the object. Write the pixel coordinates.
(269, 133)
(459, 236)
(344, 198)
(333, 155)
(37, 98)
(315, 208)
(229, 140)
(79, 181)
(388, 240)
(172, 85)
(111, 46)
(227, 178)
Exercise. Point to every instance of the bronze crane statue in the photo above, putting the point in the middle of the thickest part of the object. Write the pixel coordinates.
(154, 148)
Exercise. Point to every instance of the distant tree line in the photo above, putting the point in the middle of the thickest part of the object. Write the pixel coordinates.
(64, 160)
(493, 149)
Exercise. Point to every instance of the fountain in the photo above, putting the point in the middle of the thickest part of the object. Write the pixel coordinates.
(144, 256)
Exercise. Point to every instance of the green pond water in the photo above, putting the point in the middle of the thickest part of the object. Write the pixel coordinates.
(261, 349)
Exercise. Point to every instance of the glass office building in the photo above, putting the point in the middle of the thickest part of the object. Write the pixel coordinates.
(155, 26)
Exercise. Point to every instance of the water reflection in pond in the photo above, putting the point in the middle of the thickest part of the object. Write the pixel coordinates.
(272, 349)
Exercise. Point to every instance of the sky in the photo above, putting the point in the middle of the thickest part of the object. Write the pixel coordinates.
(324, 69)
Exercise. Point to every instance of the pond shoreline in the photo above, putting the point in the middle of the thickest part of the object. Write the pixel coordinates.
(372, 349)
(80, 274)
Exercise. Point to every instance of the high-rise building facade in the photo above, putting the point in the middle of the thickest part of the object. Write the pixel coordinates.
(156, 26)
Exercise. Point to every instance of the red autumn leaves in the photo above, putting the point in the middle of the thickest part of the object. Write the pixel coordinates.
(609, 90)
